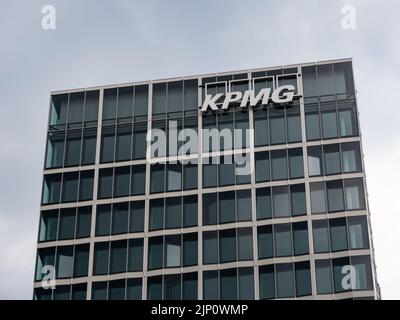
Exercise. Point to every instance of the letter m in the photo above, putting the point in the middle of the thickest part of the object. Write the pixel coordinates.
(249, 95)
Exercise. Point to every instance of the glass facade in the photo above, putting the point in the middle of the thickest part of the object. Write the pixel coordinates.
(194, 223)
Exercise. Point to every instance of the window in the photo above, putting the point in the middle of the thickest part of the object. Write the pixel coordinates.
(118, 256)
(245, 243)
(362, 265)
(279, 166)
(99, 291)
(338, 265)
(172, 287)
(173, 213)
(293, 129)
(226, 171)
(321, 236)
(296, 163)
(62, 293)
(105, 183)
(329, 120)
(79, 291)
(243, 205)
(116, 290)
(263, 202)
(228, 284)
(138, 179)
(315, 163)
(323, 272)
(70, 187)
(73, 147)
(326, 82)
(86, 185)
(267, 282)
(262, 166)
(107, 144)
(303, 278)
(154, 288)
(227, 207)
(335, 195)
(298, 199)
(313, 129)
(174, 177)
(210, 285)
(354, 193)
(309, 81)
(277, 125)
(300, 238)
(159, 98)
(123, 142)
(190, 176)
(157, 178)
(190, 211)
(284, 280)
(282, 240)
(227, 245)
(135, 255)
(81, 260)
(332, 159)
(134, 289)
(209, 208)
(338, 234)
(265, 242)
(45, 257)
(121, 181)
(48, 225)
(67, 224)
(210, 172)
(155, 260)
(261, 128)
(210, 247)
(343, 78)
(89, 145)
(172, 251)
(318, 201)
(347, 118)
(103, 220)
(156, 219)
(281, 201)
(136, 218)
(55, 150)
(190, 94)
(189, 286)
(59, 106)
(100, 265)
(64, 262)
(139, 140)
(91, 106)
(358, 232)
(120, 218)
(246, 283)
(189, 249)
(351, 157)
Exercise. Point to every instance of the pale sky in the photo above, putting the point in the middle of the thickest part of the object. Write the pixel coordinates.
(104, 42)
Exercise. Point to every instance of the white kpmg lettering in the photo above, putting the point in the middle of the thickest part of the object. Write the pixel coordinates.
(281, 96)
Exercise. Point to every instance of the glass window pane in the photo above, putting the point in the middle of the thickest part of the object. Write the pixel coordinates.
(277, 125)
(303, 278)
(121, 181)
(100, 264)
(283, 240)
(64, 262)
(99, 290)
(123, 142)
(141, 100)
(190, 176)
(332, 159)
(343, 78)
(209, 208)
(55, 149)
(91, 105)
(175, 96)
(103, 220)
(73, 148)
(315, 162)
(267, 282)
(312, 123)
(358, 232)
(309, 81)
(70, 187)
(298, 199)
(67, 224)
(190, 95)
(245, 243)
(338, 276)
(190, 249)
(157, 178)
(326, 84)
(293, 124)
(281, 201)
(159, 98)
(321, 236)
(135, 255)
(81, 260)
(226, 171)
(210, 172)
(246, 284)
(138, 179)
(125, 102)
(59, 107)
(45, 257)
(189, 286)
(62, 293)
(173, 213)
(318, 201)
(172, 287)
(338, 234)
(107, 144)
(279, 165)
(120, 218)
(105, 183)
(172, 251)
(210, 247)
(227, 245)
(134, 289)
(190, 211)
(261, 128)
(139, 141)
(300, 238)
(109, 103)
(210, 285)
(363, 273)
(79, 291)
(351, 157)
(86, 185)
(228, 284)
(296, 163)
(174, 177)
(262, 166)
(335, 195)
(329, 120)
(323, 272)
(118, 256)
(116, 290)
(155, 260)
(354, 190)
(265, 242)
(226, 207)
(48, 225)
(263, 201)
(136, 218)
(154, 288)
(284, 280)
(156, 219)
(244, 207)
(347, 118)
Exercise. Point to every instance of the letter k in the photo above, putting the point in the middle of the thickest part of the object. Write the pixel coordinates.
(210, 102)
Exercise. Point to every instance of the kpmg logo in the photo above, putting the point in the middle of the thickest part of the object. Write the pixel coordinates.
(282, 95)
